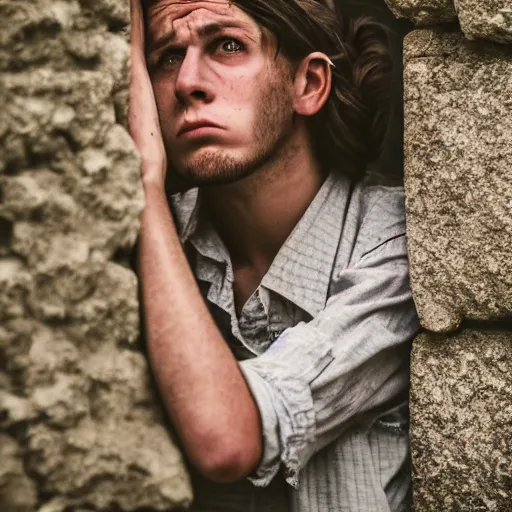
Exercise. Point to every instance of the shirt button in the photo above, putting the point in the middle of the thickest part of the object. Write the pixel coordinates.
(273, 335)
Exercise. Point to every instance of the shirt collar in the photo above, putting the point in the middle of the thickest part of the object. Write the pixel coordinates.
(302, 270)
(185, 206)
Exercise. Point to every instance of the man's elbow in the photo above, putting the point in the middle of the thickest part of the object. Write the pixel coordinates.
(230, 463)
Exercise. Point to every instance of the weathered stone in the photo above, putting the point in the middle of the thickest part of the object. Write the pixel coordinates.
(424, 12)
(17, 490)
(14, 410)
(88, 432)
(461, 421)
(489, 19)
(458, 156)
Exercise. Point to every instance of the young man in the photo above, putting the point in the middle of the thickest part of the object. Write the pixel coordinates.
(275, 289)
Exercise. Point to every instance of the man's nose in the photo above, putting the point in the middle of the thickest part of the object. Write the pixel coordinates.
(192, 84)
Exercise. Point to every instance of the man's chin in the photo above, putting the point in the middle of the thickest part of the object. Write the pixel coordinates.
(213, 168)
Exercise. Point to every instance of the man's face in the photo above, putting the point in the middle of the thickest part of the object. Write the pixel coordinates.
(224, 99)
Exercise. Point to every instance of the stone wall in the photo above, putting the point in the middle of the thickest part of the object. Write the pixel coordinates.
(479, 19)
(458, 178)
(80, 426)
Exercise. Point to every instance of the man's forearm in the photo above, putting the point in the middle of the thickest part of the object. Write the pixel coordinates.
(200, 381)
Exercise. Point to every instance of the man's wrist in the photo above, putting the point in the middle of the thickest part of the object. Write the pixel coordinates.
(157, 206)
(153, 182)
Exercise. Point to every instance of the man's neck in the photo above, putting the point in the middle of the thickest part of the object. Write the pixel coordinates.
(255, 216)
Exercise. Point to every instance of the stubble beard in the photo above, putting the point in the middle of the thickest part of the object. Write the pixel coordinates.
(272, 133)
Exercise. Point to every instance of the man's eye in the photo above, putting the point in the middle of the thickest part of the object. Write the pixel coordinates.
(171, 59)
(231, 46)
(168, 58)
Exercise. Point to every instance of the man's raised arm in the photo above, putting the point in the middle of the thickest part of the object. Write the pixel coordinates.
(199, 379)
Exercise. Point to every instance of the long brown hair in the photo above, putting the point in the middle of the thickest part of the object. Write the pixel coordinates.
(348, 132)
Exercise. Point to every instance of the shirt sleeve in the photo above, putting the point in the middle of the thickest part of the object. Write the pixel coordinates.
(319, 378)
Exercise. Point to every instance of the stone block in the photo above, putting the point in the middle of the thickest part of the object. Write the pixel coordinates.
(83, 428)
(461, 421)
(489, 19)
(424, 12)
(458, 157)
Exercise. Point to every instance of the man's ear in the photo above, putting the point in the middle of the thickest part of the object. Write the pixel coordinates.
(312, 84)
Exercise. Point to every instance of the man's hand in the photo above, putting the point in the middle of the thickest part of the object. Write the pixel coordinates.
(144, 122)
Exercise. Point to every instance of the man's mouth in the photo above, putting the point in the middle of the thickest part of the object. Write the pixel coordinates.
(197, 128)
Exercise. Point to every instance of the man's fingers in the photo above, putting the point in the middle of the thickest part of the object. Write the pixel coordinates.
(137, 26)
(143, 114)
(141, 100)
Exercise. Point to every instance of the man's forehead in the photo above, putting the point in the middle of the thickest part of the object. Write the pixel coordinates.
(151, 3)
(177, 9)
(165, 16)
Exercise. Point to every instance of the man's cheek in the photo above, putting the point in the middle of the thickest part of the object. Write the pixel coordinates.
(166, 118)
(163, 96)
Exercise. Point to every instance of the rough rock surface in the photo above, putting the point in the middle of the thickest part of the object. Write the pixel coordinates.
(424, 12)
(479, 19)
(489, 19)
(82, 429)
(458, 156)
(461, 421)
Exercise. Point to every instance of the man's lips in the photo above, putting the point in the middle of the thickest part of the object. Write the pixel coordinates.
(196, 125)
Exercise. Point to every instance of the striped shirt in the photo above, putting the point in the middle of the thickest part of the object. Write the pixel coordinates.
(324, 345)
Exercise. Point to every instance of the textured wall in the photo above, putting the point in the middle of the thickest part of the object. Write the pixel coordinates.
(81, 427)
(479, 19)
(461, 398)
(424, 12)
(458, 154)
(458, 161)
(489, 19)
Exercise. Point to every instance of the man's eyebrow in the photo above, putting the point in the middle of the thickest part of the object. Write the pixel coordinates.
(204, 31)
